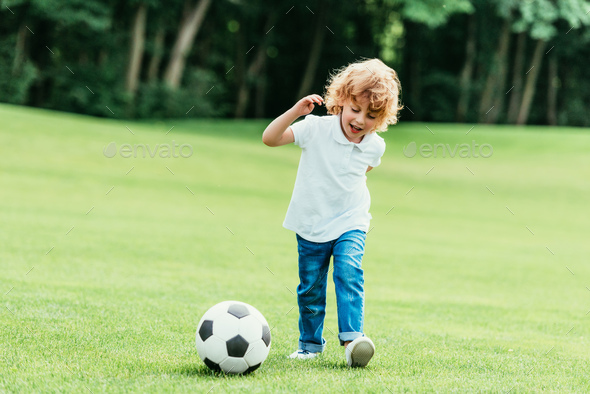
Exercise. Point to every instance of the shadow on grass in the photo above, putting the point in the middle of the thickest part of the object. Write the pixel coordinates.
(336, 365)
(192, 369)
(200, 370)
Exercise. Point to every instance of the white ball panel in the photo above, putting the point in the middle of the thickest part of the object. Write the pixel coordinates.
(234, 365)
(257, 353)
(201, 348)
(215, 349)
(226, 326)
(216, 310)
(258, 315)
(250, 329)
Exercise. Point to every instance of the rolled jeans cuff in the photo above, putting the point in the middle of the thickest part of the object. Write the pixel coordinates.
(312, 347)
(349, 336)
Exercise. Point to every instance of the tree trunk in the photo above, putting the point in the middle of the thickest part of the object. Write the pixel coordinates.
(243, 94)
(415, 91)
(83, 58)
(467, 71)
(495, 80)
(531, 82)
(136, 49)
(189, 27)
(517, 71)
(240, 74)
(158, 51)
(103, 57)
(314, 54)
(414, 55)
(19, 50)
(500, 91)
(552, 86)
(261, 92)
(254, 70)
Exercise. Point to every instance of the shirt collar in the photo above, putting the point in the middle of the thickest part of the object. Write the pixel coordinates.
(341, 138)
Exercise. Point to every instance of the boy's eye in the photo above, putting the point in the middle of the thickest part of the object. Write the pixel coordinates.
(355, 110)
(372, 116)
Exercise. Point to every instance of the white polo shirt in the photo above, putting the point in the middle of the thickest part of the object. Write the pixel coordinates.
(330, 196)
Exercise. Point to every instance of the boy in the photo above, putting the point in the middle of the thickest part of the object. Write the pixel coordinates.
(329, 209)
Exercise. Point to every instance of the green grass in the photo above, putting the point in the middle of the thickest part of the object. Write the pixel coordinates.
(476, 280)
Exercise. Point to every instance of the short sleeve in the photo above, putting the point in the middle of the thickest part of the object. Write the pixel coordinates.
(303, 130)
(380, 151)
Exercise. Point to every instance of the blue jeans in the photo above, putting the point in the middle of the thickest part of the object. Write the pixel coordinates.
(314, 261)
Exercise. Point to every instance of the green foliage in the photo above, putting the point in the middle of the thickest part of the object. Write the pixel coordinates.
(575, 12)
(575, 93)
(423, 40)
(14, 87)
(80, 14)
(199, 97)
(539, 17)
(441, 96)
(86, 91)
(433, 13)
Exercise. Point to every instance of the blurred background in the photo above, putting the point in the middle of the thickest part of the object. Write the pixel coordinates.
(496, 61)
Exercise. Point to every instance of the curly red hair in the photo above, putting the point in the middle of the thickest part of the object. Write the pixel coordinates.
(372, 79)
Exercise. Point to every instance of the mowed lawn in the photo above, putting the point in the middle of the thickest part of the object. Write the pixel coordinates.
(477, 272)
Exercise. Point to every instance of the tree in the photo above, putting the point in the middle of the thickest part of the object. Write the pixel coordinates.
(433, 14)
(315, 51)
(188, 29)
(492, 96)
(253, 71)
(465, 78)
(531, 82)
(150, 58)
(539, 18)
(136, 48)
(157, 53)
(517, 77)
(552, 85)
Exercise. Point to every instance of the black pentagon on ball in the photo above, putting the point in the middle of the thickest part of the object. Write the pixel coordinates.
(266, 335)
(206, 330)
(252, 368)
(238, 310)
(237, 346)
(214, 366)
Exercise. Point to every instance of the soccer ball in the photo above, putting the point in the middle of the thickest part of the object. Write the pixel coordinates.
(233, 337)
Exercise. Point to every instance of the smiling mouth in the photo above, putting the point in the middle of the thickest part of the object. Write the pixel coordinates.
(355, 129)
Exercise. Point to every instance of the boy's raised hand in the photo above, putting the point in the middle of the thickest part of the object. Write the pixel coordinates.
(278, 132)
(306, 104)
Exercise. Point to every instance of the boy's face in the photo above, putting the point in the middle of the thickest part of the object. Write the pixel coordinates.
(357, 119)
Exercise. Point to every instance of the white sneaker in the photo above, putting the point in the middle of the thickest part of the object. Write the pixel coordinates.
(359, 352)
(303, 355)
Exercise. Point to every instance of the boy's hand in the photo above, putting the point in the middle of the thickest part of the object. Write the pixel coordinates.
(278, 132)
(306, 104)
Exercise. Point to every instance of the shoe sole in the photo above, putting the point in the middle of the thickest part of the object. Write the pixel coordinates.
(299, 357)
(361, 354)
(303, 358)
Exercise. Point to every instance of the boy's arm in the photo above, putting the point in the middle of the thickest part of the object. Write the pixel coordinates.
(369, 169)
(278, 132)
